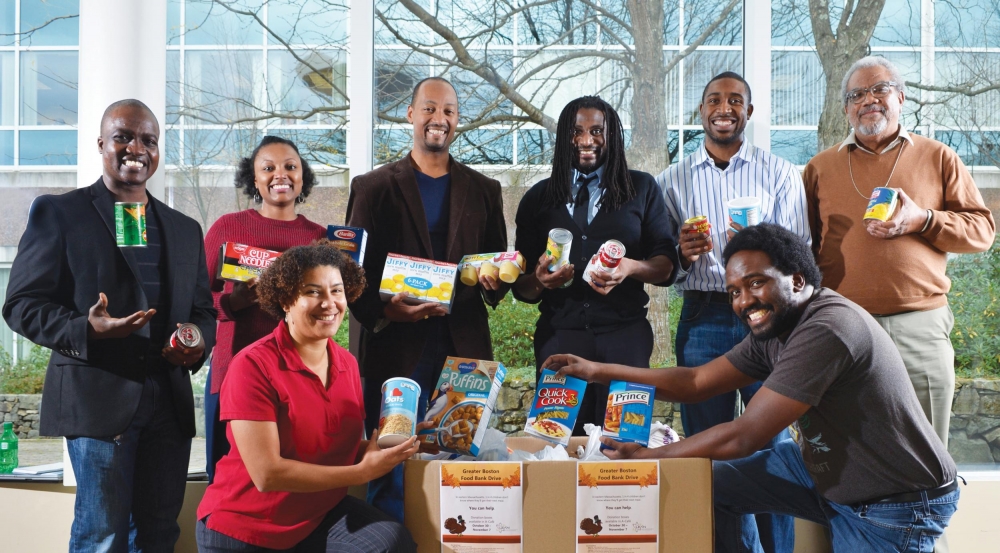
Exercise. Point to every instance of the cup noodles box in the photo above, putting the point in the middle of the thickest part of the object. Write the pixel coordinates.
(426, 280)
(555, 407)
(240, 262)
(506, 266)
(350, 240)
(462, 404)
(629, 412)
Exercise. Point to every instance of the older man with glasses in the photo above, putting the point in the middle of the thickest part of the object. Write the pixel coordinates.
(895, 269)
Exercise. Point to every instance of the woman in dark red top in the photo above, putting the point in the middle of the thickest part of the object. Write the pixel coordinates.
(277, 179)
(296, 416)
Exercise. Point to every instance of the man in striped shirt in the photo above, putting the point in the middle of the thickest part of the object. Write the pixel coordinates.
(725, 167)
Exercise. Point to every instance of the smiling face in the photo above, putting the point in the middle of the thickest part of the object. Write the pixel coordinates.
(129, 144)
(763, 297)
(588, 139)
(320, 306)
(434, 116)
(874, 116)
(277, 171)
(725, 110)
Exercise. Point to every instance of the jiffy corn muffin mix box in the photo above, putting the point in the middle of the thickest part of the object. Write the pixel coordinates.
(462, 404)
(556, 406)
(629, 412)
(426, 280)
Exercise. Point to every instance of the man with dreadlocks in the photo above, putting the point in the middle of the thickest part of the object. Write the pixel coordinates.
(593, 194)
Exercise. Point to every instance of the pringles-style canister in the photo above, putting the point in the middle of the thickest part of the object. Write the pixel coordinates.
(398, 419)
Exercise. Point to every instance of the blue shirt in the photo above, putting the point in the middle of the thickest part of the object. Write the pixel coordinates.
(695, 186)
(596, 192)
(436, 193)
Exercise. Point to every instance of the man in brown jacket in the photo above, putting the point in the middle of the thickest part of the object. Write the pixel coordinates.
(896, 269)
(431, 206)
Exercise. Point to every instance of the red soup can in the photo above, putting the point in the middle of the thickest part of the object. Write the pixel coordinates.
(187, 335)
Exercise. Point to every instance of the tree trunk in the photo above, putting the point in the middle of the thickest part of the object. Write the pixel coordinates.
(649, 133)
(837, 51)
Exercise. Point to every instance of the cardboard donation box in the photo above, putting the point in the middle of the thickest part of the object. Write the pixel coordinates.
(550, 521)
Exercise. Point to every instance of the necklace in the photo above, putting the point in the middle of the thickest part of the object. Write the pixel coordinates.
(902, 144)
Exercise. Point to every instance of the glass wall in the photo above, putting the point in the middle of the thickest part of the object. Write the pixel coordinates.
(239, 70)
(39, 42)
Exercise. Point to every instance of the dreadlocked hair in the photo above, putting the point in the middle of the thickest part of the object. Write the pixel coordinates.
(616, 182)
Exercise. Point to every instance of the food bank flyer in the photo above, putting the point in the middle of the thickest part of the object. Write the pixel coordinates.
(617, 506)
(481, 507)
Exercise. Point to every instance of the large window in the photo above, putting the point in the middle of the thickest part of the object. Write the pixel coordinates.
(516, 65)
(38, 82)
(239, 70)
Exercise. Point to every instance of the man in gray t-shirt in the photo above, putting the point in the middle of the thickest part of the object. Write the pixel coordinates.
(867, 464)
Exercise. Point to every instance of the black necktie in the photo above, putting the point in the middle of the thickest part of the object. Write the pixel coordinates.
(581, 205)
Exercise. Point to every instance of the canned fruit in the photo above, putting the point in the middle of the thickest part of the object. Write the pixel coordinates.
(398, 416)
(700, 223)
(130, 224)
(882, 204)
(558, 247)
(511, 265)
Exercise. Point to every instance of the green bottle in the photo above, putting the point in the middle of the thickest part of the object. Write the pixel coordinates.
(8, 449)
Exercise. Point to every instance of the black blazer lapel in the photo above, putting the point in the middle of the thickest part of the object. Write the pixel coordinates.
(406, 182)
(104, 203)
(460, 185)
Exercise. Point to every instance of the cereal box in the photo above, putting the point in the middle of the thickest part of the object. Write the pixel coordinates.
(426, 280)
(462, 404)
(555, 408)
(350, 240)
(629, 412)
(240, 262)
(506, 266)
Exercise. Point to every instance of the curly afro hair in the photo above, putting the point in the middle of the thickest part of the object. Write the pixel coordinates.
(244, 179)
(789, 253)
(280, 283)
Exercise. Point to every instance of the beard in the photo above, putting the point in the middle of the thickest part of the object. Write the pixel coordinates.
(735, 137)
(589, 167)
(783, 319)
(871, 129)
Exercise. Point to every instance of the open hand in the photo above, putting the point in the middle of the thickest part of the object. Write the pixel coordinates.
(620, 450)
(566, 364)
(102, 326)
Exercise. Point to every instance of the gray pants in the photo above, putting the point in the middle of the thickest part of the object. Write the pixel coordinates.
(923, 339)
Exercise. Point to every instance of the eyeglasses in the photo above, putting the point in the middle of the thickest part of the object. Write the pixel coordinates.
(878, 90)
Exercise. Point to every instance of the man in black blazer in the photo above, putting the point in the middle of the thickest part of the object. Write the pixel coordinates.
(594, 195)
(425, 205)
(115, 387)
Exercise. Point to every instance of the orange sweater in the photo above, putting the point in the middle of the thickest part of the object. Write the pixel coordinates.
(906, 273)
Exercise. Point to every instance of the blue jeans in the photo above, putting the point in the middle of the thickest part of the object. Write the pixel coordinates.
(776, 481)
(130, 487)
(706, 331)
(216, 441)
(386, 492)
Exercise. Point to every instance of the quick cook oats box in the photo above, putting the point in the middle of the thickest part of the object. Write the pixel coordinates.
(426, 280)
(462, 404)
(629, 412)
(556, 406)
(350, 240)
(240, 262)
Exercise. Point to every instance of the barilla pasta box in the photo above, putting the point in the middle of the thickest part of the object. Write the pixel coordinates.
(426, 280)
(462, 404)
(350, 240)
(240, 262)
(629, 412)
(556, 406)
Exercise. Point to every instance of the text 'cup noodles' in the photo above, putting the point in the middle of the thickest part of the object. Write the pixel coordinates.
(744, 211)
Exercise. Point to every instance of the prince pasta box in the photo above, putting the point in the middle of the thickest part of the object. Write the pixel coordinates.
(556, 406)
(629, 412)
